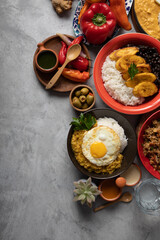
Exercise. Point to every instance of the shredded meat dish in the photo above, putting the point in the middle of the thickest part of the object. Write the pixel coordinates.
(151, 145)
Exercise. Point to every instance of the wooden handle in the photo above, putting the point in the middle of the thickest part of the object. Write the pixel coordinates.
(55, 78)
(104, 205)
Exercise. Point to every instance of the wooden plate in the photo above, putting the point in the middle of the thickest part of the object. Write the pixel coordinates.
(63, 85)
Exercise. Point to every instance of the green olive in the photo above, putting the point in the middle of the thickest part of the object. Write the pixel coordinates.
(90, 99)
(76, 102)
(84, 106)
(84, 91)
(82, 98)
(77, 93)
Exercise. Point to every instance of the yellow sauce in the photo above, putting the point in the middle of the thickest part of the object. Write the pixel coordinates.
(147, 12)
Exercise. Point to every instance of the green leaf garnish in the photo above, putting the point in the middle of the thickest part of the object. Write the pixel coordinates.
(132, 70)
(84, 122)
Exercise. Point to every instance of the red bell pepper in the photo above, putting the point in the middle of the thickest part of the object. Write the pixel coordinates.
(98, 23)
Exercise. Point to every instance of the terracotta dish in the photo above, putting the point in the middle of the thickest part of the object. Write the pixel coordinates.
(63, 85)
(43, 50)
(140, 141)
(129, 152)
(116, 43)
(110, 191)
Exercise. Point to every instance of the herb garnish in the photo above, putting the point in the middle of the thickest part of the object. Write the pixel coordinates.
(84, 122)
(132, 70)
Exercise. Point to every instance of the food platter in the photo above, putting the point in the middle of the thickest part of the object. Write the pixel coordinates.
(144, 159)
(129, 152)
(118, 42)
(76, 26)
(144, 17)
(63, 85)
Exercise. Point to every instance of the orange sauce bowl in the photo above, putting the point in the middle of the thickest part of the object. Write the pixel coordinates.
(110, 191)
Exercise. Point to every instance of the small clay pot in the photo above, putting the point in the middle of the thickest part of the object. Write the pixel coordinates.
(43, 50)
(113, 191)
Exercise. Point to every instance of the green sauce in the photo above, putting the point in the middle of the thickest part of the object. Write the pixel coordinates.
(46, 59)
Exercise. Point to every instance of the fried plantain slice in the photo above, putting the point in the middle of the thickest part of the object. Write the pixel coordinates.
(145, 89)
(142, 68)
(140, 77)
(114, 56)
(124, 62)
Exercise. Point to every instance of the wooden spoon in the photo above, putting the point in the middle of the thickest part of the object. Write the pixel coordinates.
(72, 53)
(126, 197)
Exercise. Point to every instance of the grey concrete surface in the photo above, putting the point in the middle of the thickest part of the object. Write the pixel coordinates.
(36, 174)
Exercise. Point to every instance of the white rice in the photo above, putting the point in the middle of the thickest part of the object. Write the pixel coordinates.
(112, 123)
(115, 85)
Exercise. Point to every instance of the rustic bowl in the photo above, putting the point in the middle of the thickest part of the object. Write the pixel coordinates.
(72, 95)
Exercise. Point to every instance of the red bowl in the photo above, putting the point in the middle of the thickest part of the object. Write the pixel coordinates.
(116, 43)
(140, 141)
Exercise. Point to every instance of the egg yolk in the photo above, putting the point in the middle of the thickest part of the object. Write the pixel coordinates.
(98, 149)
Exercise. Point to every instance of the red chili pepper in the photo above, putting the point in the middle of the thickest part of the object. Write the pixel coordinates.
(80, 63)
(98, 23)
(77, 40)
(62, 53)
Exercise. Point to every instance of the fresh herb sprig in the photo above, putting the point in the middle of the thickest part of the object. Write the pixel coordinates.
(132, 70)
(84, 122)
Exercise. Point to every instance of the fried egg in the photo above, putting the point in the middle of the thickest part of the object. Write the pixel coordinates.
(101, 145)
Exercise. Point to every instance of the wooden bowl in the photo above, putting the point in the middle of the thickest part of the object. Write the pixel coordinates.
(72, 95)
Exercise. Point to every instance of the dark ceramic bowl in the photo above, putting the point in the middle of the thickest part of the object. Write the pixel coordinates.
(129, 152)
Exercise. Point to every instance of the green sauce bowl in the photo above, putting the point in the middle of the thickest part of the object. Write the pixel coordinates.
(46, 59)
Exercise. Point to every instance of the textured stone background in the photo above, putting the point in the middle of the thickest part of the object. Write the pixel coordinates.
(36, 174)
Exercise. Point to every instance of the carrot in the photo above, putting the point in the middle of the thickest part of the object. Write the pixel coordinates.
(118, 8)
(83, 10)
